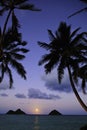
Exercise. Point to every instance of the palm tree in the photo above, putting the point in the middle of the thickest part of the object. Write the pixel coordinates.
(81, 10)
(66, 50)
(12, 52)
(10, 39)
(11, 6)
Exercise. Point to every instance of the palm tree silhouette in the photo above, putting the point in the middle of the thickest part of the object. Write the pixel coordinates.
(11, 6)
(11, 39)
(66, 50)
(12, 52)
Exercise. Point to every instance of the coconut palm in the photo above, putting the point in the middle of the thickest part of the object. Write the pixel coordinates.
(10, 39)
(11, 6)
(66, 50)
(12, 52)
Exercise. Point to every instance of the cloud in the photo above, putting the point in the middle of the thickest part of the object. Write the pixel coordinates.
(20, 95)
(51, 83)
(37, 94)
(4, 95)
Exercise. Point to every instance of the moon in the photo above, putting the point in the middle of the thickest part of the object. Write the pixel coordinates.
(36, 110)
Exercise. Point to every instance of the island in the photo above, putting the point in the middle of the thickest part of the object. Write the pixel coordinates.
(55, 112)
(18, 112)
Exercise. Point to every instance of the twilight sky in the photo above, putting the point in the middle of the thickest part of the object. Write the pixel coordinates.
(39, 90)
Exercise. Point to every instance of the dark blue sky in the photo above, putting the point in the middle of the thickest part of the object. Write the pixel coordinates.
(41, 91)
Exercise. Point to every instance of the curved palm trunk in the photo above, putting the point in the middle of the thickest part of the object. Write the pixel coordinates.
(5, 25)
(75, 91)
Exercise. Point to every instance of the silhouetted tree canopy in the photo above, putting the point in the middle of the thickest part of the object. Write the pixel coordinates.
(66, 50)
(13, 52)
(12, 47)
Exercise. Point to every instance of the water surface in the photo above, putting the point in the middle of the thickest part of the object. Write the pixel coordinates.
(27, 122)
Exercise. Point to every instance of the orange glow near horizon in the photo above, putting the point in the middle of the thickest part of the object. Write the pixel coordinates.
(37, 111)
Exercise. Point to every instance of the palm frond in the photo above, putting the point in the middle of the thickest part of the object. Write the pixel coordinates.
(64, 32)
(12, 46)
(17, 56)
(15, 22)
(77, 12)
(85, 40)
(28, 7)
(74, 32)
(19, 67)
(81, 45)
(51, 36)
(2, 11)
(51, 63)
(60, 69)
(2, 69)
(18, 2)
(16, 45)
(57, 35)
(24, 43)
(78, 38)
(63, 27)
(8, 71)
(75, 77)
(45, 58)
(60, 74)
(83, 71)
(10, 36)
(80, 72)
(23, 50)
(83, 85)
(44, 45)
(74, 64)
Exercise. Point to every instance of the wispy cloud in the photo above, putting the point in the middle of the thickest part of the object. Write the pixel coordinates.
(38, 94)
(4, 95)
(20, 95)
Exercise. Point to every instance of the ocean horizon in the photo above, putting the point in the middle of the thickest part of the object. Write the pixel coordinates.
(42, 122)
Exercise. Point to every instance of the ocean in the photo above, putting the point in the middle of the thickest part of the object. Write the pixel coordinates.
(35, 122)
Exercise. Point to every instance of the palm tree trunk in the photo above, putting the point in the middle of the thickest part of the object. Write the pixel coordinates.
(75, 91)
(5, 25)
